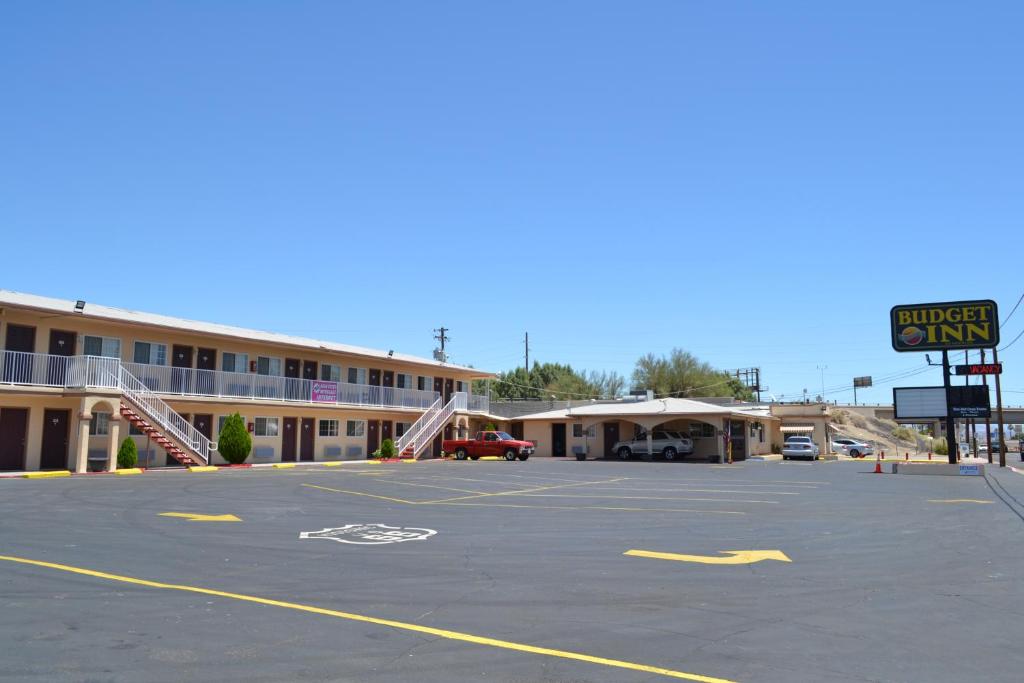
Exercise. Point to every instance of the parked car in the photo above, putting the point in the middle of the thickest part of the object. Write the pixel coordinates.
(852, 448)
(800, 447)
(489, 443)
(670, 445)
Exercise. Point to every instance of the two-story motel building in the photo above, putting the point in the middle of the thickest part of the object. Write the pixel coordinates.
(77, 377)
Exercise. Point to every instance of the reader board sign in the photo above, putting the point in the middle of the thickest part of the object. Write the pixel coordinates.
(862, 381)
(323, 392)
(945, 326)
(970, 401)
(970, 470)
(919, 402)
(976, 369)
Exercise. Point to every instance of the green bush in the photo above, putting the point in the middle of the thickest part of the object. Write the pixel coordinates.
(939, 446)
(490, 427)
(234, 442)
(127, 454)
(387, 449)
(904, 434)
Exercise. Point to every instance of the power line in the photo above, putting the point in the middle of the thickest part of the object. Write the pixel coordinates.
(1013, 342)
(1013, 311)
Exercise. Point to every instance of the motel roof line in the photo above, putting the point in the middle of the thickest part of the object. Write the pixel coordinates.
(108, 313)
(669, 407)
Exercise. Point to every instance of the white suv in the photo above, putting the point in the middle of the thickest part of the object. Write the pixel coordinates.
(669, 444)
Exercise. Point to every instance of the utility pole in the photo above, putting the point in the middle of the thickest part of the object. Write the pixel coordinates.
(822, 369)
(988, 420)
(441, 336)
(950, 420)
(999, 412)
(526, 343)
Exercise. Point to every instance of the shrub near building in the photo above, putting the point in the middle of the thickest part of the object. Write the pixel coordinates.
(234, 442)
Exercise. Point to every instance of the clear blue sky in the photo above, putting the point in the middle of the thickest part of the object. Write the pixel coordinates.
(757, 183)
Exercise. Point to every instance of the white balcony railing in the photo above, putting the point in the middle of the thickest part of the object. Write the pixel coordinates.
(41, 369)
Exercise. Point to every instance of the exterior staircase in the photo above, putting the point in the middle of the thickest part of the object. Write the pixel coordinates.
(421, 434)
(157, 436)
(147, 411)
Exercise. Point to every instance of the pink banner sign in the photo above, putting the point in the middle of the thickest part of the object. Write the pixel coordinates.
(324, 392)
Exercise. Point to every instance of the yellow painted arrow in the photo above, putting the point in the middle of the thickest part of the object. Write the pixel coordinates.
(736, 556)
(193, 517)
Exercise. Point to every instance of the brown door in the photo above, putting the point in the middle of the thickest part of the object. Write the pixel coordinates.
(385, 430)
(55, 440)
(309, 369)
(181, 369)
(13, 430)
(62, 344)
(18, 367)
(206, 365)
(517, 430)
(292, 373)
(203, 425)
(372, 436)
(436, 448)
(375, 377)
(449, 389)
(611, 436)
(288, 436)
(558, 439)
(389, 378)
(307, 439)
(438, 385)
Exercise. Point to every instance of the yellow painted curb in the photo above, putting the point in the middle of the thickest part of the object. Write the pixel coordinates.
(284, 465)
(202, 468)
(127, 471)
(409, 461)
(47, 475)
(331, 464)
(491, 457)
(373, 462)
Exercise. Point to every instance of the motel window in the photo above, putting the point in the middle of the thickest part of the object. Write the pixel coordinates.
(234, 362)
(328, 427)
(100, 424)
(425, 383)
(460, 386)
(268, 366)
(220, 422)
(404, 381)
(355, 428)
(357, 375)
(578, 432)
(330, 373)
(700, 430)
(149, 353)
(108, 347)
(266, 426)
(401, 428)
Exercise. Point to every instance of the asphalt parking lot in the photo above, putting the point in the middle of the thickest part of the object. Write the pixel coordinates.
(544, 570)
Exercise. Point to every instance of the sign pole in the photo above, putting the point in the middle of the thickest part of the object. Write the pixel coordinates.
(988, 420)
(999, 413)
(951, 443)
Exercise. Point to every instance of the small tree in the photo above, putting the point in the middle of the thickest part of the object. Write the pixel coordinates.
(490, 427)
(387, 449)
(127, 454)
(234, 442)
(939, 446)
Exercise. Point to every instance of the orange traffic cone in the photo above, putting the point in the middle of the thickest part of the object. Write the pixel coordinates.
(878, 466)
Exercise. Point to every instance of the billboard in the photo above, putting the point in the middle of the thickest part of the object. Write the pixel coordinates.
(862, 381)
(912, 403)
(945, 326)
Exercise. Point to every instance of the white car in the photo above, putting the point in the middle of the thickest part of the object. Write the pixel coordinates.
(852, 448)
(800, 447)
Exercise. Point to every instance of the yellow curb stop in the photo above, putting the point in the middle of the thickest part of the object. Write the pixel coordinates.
(202, 468)
(47, 475)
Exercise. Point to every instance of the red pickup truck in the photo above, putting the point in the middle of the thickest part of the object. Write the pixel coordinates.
(489, 443)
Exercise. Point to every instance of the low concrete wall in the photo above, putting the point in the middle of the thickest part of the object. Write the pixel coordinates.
(938, 468)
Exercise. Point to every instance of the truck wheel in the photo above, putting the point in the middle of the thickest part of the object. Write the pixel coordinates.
(669, 453)
(510, 454)
(460, 454)
(624, 453)
(524, 456)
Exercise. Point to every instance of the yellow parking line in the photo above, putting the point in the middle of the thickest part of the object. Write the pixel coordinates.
(587, 507)
(360, 493)
(963, 500)
(531, 490)
(400, 625)
(430, 486)
(607, 497)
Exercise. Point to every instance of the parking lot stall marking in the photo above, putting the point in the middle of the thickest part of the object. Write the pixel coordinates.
(349, 616)
(589, 507)
(686, 489)
(962, 500)
(362, 493)
(530, 490)
(431, 486)
(613, 497)
(734, 556)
